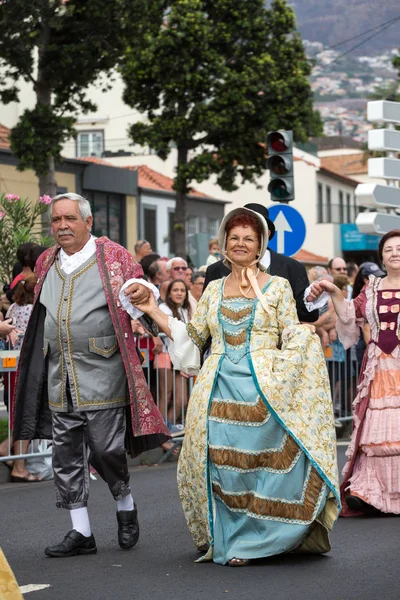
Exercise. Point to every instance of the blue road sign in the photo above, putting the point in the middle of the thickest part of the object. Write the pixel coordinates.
(290, 229)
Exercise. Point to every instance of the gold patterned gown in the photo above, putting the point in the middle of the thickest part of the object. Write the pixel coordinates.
(257, 473)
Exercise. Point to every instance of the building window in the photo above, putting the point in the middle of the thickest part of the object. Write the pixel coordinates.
(150, 225)
(320, 205)
(89, 143)
(213, 226)
(328, 217)
(348, 207)
(171, 216)
(108, 215)
(341, 208)
(193, 225)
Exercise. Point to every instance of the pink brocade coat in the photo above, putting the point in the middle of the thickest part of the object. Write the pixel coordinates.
(116, 265)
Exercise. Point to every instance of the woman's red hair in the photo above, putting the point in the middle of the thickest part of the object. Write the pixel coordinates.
(245, 220)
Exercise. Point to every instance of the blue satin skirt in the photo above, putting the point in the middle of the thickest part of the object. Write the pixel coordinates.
(265, 491)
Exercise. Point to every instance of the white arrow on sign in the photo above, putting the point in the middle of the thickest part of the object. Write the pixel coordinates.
(281, 225)
(377, 223)
(374, 193)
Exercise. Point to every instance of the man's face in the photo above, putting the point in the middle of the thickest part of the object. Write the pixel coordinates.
(68, 227)
(162, 273)
(338, 267)
(146, 249)
(178, 269)
(197, 287)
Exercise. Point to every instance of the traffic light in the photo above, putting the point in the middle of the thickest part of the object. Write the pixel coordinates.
(280, 164)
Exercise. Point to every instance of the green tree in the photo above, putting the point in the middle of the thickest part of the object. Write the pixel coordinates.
(60, 47)
(211, 78)
(19, 223)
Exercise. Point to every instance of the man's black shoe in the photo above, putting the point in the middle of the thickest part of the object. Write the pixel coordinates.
(128, 528)
(74, 543)
(356, 503)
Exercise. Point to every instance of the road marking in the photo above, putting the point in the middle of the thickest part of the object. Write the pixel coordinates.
(33, 587)
(343, 443)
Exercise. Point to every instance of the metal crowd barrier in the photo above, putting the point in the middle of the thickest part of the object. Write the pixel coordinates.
(8, 365)
(343, 378)
(171, 391)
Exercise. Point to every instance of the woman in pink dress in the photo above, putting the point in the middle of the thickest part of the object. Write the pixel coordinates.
(372, 472)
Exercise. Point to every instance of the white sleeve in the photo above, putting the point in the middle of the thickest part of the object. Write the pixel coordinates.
(134, 312)
(318, 303)
(185, 355)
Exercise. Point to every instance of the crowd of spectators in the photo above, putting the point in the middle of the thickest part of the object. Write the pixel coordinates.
(343, 365)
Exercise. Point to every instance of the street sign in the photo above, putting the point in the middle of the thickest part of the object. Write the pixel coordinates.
(383, 195)
(384, 139)
(385, 168)
(383, 110)
(377, 223)
(376, 195)
(290, 229)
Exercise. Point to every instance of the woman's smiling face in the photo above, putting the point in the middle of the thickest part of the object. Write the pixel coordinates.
(242, 244)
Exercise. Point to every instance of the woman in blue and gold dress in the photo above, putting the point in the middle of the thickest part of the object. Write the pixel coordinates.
(257, 474)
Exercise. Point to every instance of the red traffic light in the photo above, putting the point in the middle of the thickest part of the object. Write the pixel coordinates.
(278, 142)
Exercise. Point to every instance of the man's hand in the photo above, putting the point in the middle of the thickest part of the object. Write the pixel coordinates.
(138, 294)
(332, 335)
(324, 337)
(6, 328)
(141, 297)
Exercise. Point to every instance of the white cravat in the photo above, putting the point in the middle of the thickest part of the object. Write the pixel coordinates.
(71, 262)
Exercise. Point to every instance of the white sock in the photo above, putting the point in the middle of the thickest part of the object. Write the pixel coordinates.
(80, 520)
(125, 504)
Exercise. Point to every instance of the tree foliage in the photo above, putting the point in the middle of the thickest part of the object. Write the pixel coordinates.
(212, 77)
(60, 47)
(19, 223)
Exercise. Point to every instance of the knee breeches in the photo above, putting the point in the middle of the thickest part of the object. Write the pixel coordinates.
(95, 437)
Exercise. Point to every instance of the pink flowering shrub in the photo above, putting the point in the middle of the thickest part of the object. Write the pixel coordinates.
(20, 221)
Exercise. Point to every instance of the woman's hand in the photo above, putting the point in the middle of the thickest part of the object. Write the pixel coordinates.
(12, 337)
(6, 327)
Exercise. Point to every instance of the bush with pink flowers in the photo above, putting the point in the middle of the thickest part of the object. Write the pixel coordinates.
(20, 221)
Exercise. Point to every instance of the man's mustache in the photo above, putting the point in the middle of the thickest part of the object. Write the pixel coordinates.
(65, 232)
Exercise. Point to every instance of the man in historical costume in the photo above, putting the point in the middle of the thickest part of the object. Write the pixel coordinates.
(79, 360)
(276, 264)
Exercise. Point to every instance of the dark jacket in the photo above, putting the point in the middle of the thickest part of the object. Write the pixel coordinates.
(281, 265)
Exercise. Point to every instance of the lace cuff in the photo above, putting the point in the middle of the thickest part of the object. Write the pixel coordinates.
(134, 312)
(347, 326)
(184, 353)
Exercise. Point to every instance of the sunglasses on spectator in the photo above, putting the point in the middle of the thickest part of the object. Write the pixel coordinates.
(142, 244)
(344, 269)
(179, 268)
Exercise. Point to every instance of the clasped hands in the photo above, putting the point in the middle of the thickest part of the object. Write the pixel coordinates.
(318, 287)
(141, 297)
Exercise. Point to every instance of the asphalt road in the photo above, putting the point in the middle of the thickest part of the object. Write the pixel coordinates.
(363, 564)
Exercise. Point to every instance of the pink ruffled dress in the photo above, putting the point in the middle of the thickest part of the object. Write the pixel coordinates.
(372, 471)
